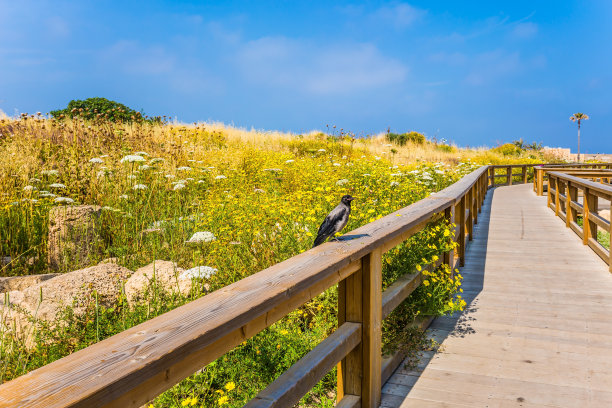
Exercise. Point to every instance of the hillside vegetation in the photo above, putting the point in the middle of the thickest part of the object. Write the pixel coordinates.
(258, 198)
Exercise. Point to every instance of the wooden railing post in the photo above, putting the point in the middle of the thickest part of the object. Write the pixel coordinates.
(610, 247)
(491, 176)
(540, 181)
(589, 227)
(470, 217)
(475, 199)
(557, 201)
(449, 257)
(548, 192)
(371, 341)
(360, 301)
(571, 194)
(509, 176)
(524, 170)
(461, 211)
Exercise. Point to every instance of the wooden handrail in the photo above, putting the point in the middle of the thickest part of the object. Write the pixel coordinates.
(132, 367)
(563, 199)
(596, 169)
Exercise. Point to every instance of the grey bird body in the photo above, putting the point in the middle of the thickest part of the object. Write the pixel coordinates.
(335, 220)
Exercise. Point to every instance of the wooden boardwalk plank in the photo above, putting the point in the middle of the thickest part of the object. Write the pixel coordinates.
(537, 331)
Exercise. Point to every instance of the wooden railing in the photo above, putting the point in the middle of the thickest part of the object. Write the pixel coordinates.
(573, 168)
(526, 172)
(132, 367)
(563, 199)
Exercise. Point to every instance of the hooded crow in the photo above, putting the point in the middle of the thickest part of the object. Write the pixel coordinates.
(335, 220)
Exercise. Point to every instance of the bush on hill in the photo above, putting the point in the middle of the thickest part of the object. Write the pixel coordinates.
(402, 139)
(98, 108)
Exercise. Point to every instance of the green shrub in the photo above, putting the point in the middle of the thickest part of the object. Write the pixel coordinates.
(446, 148)
(97, 108)
(508, 149)
(402, 139)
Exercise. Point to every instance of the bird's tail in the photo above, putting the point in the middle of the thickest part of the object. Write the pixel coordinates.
(318, 241)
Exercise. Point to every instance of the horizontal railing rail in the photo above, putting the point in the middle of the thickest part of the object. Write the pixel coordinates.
(563, 199)
(570, 168)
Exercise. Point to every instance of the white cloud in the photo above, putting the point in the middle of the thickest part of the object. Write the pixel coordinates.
(315, 69)
(399, 15)
(525, 31)
(57, 27)
(491, 66)
(134, 58)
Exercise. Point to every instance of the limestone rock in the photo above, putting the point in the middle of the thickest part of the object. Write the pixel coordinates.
(74, 235)
(164, 273)
(45, 300)
(11, 283)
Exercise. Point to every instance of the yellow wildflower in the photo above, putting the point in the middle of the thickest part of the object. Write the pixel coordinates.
(230, 386)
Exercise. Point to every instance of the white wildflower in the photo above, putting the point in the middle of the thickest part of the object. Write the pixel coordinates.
(341, 182)
(131, 177)
(220, 177)
(184, 168)
(199, 272)
(145, 167)
(156, 160)
(366, 175)
(29, 188)
(141, 153)
(170, 176)
(57, 185)
(376, 158)
(394, 183)
(46, 195)
(123, 196)
(96, 160)
(65, 200)
(439, 171)
(49, 172)
(201, 181)
(289, 161)
(140, 187)
(322, 150)
(34, 180)
(259, 190)
(202, 236)
(178, 186)
(132, 158)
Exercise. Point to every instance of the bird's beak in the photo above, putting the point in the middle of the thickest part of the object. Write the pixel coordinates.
(352, 198)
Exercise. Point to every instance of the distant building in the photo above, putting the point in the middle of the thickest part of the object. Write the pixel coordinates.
(565, 154)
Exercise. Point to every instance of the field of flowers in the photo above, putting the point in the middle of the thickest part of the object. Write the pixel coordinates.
(200, 197)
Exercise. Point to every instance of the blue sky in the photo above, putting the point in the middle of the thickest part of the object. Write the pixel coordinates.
(477, 73)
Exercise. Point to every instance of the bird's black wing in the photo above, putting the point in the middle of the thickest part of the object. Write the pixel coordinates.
(328, 227)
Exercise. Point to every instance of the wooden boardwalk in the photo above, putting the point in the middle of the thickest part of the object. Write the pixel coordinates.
(537, 331)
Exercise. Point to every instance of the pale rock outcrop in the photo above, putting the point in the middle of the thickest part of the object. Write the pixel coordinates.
(74, 235)
(165, 274)
(11, 283)
(46, 300)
